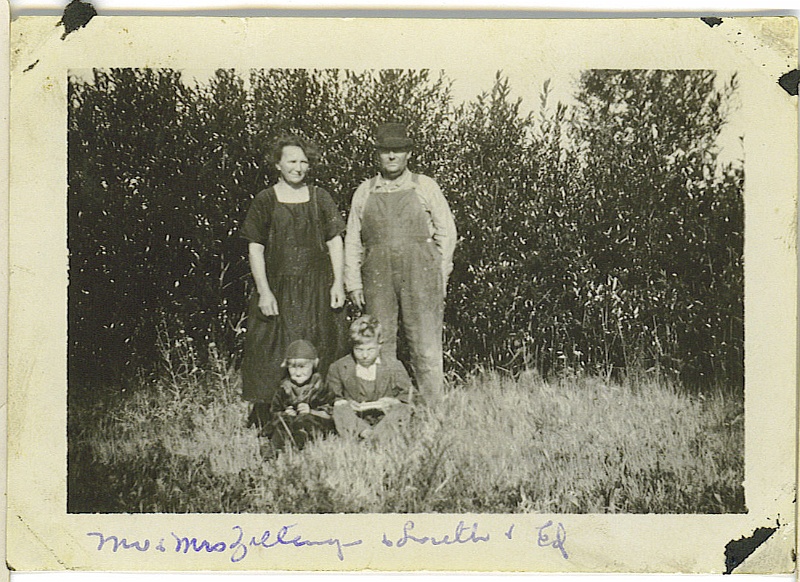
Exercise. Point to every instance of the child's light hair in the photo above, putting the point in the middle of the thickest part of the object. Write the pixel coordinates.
(365, 329)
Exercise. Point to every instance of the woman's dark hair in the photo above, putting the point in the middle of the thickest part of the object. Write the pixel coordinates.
(310, 149)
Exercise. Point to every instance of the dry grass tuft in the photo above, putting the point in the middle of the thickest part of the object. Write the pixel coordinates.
(498, 444)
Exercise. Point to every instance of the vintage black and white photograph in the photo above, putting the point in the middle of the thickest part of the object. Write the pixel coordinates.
(313, 291)
(346, 294)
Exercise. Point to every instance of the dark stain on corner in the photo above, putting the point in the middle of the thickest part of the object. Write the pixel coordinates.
(712, 21)
(790, 82)
(737, 551)
(29, 67)
(76, 15)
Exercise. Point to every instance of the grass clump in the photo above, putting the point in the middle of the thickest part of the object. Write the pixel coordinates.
(498, 444)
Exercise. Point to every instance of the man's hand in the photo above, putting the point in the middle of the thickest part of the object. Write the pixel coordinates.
(303, 408)
(290, 411)
(357, 297)
(268, 304)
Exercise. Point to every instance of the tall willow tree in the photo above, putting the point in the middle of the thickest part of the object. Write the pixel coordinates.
(664, 218)
(162, 169)
(490, 175)
(605, 237)
(127, 158)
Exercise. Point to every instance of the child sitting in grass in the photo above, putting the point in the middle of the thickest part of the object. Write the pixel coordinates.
(371, 394)
(302, 403)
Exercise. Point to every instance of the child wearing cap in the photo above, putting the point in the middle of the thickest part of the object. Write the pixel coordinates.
(372, 394)
(302, 404)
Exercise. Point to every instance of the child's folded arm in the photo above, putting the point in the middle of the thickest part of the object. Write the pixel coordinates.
(322, 396)
(357, 406)
(334, 384)
(388, 402)
(325, 408)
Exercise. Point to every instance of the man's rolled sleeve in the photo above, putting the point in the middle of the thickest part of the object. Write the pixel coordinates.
(443, 225)
(353, 248)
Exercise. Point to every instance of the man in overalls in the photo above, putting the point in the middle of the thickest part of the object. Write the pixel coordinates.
(399, 254)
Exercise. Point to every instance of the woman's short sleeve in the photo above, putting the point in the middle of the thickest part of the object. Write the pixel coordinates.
(256, 223)
(330, 217)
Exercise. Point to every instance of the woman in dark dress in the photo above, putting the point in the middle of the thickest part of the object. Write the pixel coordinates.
(295, 248)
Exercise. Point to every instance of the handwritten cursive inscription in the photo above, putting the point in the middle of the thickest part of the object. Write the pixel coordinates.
(117, 543)
(283, 538)
(462, 535)
(240, 544)
(554, 536)
(238, 548)
(184, 544)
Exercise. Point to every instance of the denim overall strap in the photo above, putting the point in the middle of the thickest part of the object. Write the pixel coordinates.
(402, 273)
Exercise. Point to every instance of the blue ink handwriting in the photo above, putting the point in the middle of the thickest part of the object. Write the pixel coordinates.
(237, 548)
(119, 543)
(510, 531)
(460, 536)
(185, 544)
(283, 538)
(545, 537)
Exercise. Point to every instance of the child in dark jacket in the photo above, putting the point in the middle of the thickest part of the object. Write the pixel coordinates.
(302, 404)
(372, 395)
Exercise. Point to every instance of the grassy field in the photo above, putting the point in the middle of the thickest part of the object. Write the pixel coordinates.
(575, 444)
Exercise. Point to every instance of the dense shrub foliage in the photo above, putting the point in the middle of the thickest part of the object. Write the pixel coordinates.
(602, 235)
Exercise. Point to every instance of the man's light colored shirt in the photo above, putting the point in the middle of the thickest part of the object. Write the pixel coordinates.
(441, 225)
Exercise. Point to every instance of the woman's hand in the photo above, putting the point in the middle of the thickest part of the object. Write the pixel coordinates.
(268, 304)
(337, 295)
(290, 411)
(303, 408)
(266, 300)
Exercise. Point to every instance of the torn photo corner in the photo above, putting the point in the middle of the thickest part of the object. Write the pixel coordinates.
(619, 331)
